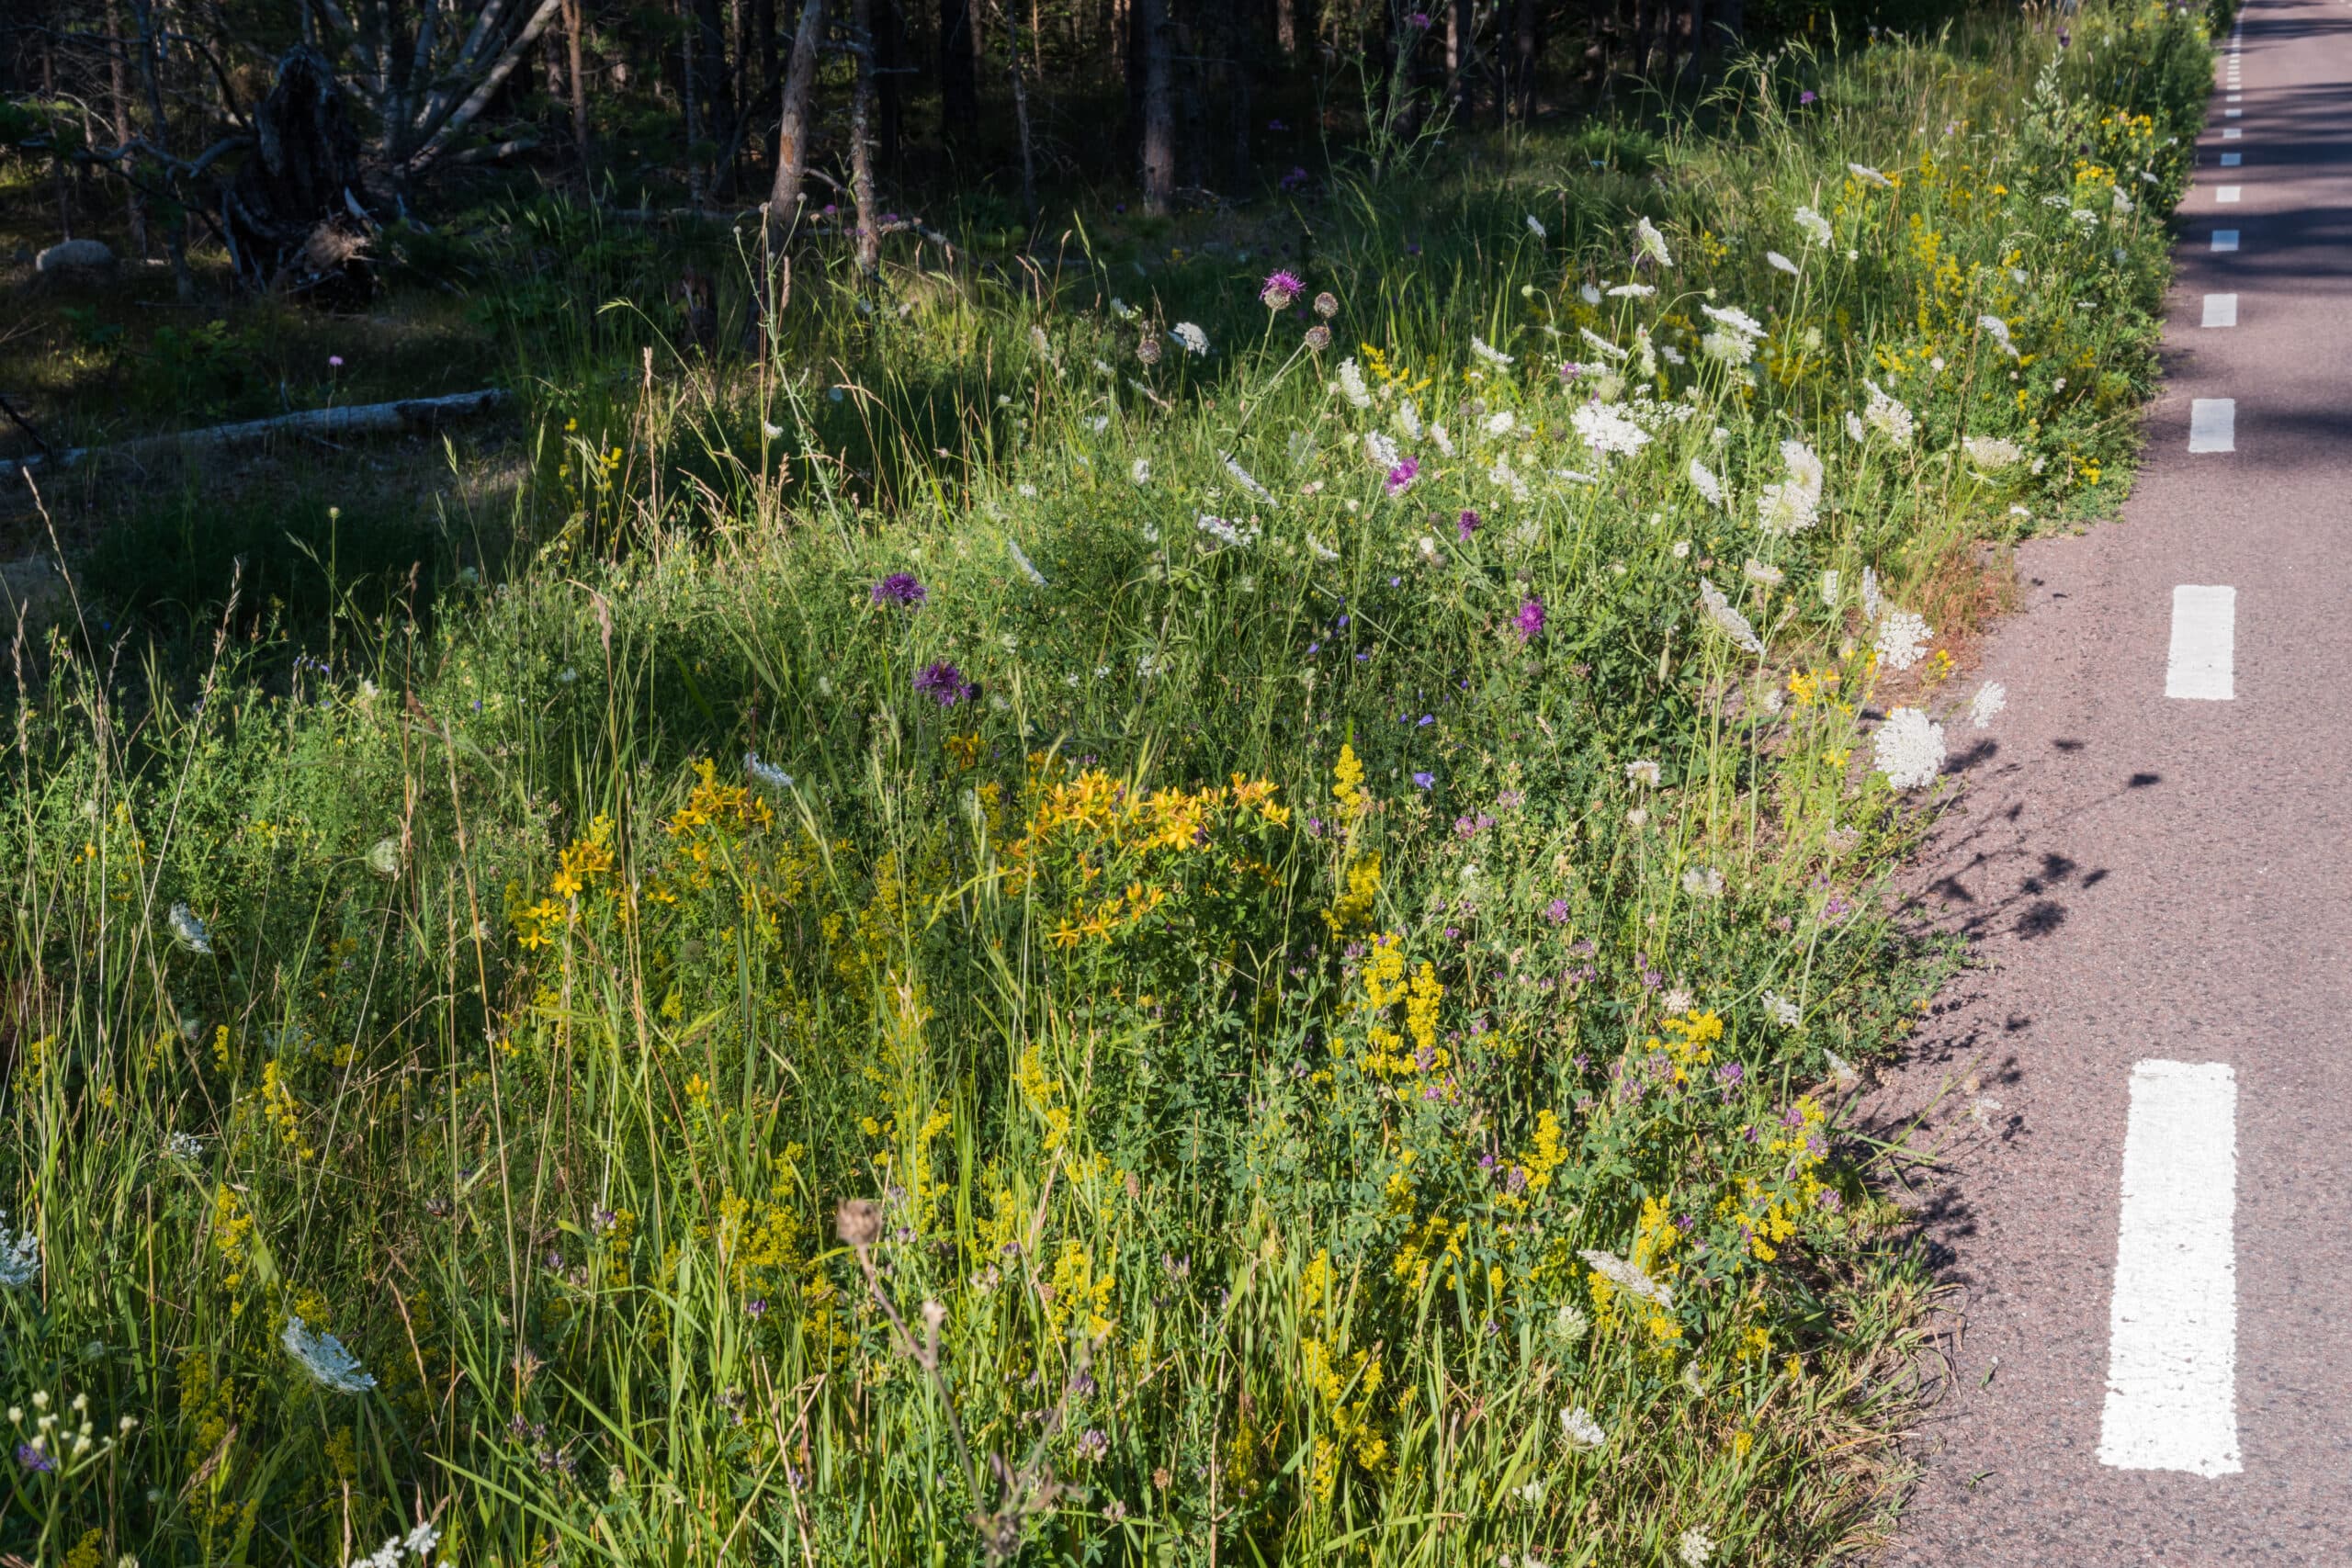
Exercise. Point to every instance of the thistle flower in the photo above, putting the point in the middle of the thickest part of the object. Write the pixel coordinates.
(1147, 349)
(1991, 453)
(1466, 524)
(322, 1355)
(1024, 566)
(1351, 384)
(1484, 351)
(1902, 639)
(944, 685)
(1649, 244)
(1643, 771)
(1241, 476)
(1318, 337)
(188, 931)
(1703, 480)
(1817, 228)
(1991, 698)
(1604, 431)
(1326, 305)
(20, 1257)
(1580, 1431)
(1780, 263)
(1401, 477)
(1190, 337)
(1627, 1277)
(1280, 288)
(1728, 620)
(899, 588)
(1529, 622)
(1909, 749)
(767, 775)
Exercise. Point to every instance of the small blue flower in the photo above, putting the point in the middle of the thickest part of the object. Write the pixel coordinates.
(1424, 781)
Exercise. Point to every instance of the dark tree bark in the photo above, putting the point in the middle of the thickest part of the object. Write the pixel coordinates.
(1526, 51)
(861, 149)
(1159, 127)
(573, 45)
(959, 86)
(795, 126)
(710, 87)
(292, 215)
(1286, 26)
(118, 97)
(890, 50)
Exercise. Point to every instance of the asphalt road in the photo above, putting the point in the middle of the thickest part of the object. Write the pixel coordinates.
(2143, 1104)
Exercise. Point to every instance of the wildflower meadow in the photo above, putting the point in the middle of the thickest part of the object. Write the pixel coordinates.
(1198, 909)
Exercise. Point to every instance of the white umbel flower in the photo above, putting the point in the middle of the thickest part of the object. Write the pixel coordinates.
(1028, 568)
(765, 776)
(1604, 431)
(1781, 1010)
(322, 1355)
(1991, 453)
(384, 857)
(1140, 470)
(1632, 292)
(1902, 639)
(1829, 590)
(1816, 227)
(1703, 882)
(1351, 384)
(1536, 227)
(19, 1258)
(1870, 601)
(1194, 341)
(1602, 346)
(1407, 420)
(187, 931)
(1241, 476)
(1488, 354)
(1696, 1548)
(1580, 1431)
(1887, 416)
(1649, 243)
(1643, 771)
(1909, 749)
(1998, 330)
(1703, 480)
(1856, 430)
(1728, 619)
(1870, 177)
(1629, 1278)
(1990, 699)
(1763, 576)
(1780, 263)
(1793, 505)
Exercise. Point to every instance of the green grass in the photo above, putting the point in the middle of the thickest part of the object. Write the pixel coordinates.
(1244, 1007)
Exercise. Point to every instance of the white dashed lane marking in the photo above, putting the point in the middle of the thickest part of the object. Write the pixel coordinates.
(2225, 239)
(2213, 425)
(2231, 133)
(2172, 1332)
(2201, 663)
(2232, 160)
(2227, 196)
(2221, 310)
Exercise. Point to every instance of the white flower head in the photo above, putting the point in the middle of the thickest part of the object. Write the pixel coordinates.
(1648, 243)
(1024, 566)
(1231, 535)
(1763, 576)
(1351, 384)
(1703, 882)
(1501, 423)
(1998, 330)
(1991, 453)
(1780, 263)
(1380, 450)
(1816, 227)
(184, 1146)
(1241, 476)
(1643, 771)
(1632, 292)
(1407, 420)
(1695, 1548)
(1140, 470)
(1856, 430)
(20, 1257)
(1299, 448)
(765, 776)
(1580, 1431)
(1902, 639)
(1602, 345)
(1909, 749)
(187, 931)
(1991, 698)
(1703, 480)
(1627, 1277)
(1793, 505)
(322, 1355)
(1488, 354)
(1605, 432)
(1728, 619)
(1781, 1010)
(1829, 590)
(1872, 602)
(1588, 293)
(1536, 227)
(384, 856)
(422, 1540)
(1887, 416)
(1870, 177)
(1194, 341)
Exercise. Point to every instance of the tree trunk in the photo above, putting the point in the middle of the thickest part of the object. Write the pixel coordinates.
(579, 87)
(1286, 26)
(889, 48)
(1159, 139)
(711, 79)
(959, 88)
(795, 126)
(120, 102)
(1020, 119)
(1526, 49)
(861, 150)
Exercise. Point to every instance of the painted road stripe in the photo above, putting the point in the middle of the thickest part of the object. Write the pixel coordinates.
(2232, 160)
(2213, 425)
(2227, 194)
(2231, 133)
(2201, 665)
(2225, 239)
(2172, 1332)
(2221, 310)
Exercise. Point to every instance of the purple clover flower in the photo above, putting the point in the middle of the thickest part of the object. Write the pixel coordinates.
(899, 588)
(1529, 622)
(944, 685)
(1401, 477)
(1556, 911)
(1468, 524)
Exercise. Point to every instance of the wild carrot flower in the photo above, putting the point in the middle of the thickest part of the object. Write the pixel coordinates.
(1728, 620)
(1629, 1278)
(1352, 386)
(899, 588)
(1793, 505)
(1703, 881)
(322, 1355)
(1870, 601)
(1139, 471)
(1695, 1548)
(20, 1257)
(1703, 480)
(1998, 330)
(1022, 564)
(1781, 1010)
(1190, 337)
(1780, 263)
(188, 931)
(1817, 228)
(1604, 431)
(1887, 416)
(1318, 337)
(1870, 177)
(944, 685)
(1763, 576)
(1649, 244)
(1280, 288)
(1147, 349)
(1580, 1431)
(1909, 749)
(1536, 228)
(1484, 351)
(1643, 771)
(1991, 698)
(1902, 639)
(1991, 453)
(767, 775)
(1529, 622)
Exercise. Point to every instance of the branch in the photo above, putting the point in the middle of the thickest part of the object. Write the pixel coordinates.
(361, 419)
(483, 94)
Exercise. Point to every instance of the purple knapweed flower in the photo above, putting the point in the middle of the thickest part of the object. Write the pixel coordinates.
(944, 685)
(1420, 19)
(899, 588)
(1280, 288)
(1808, 96)
(1401, 477)
(1466, 524)
(334, 361)
(1529, 622)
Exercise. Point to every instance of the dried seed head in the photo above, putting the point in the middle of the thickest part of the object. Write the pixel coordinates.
(858, 1221)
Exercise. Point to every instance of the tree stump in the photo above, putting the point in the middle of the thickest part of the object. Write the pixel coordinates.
(296, 216)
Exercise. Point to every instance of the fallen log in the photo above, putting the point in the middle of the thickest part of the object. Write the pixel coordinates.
(359, 418)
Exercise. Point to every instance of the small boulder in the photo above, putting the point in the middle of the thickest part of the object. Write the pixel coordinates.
(82, 258)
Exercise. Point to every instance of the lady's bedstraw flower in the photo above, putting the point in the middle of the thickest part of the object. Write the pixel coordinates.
(1909, 749)
(1280, 288)
(1649, 244)
(944, 685)
(899, 588)
(322, 1355)
(188, 931)
(1529, 622)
